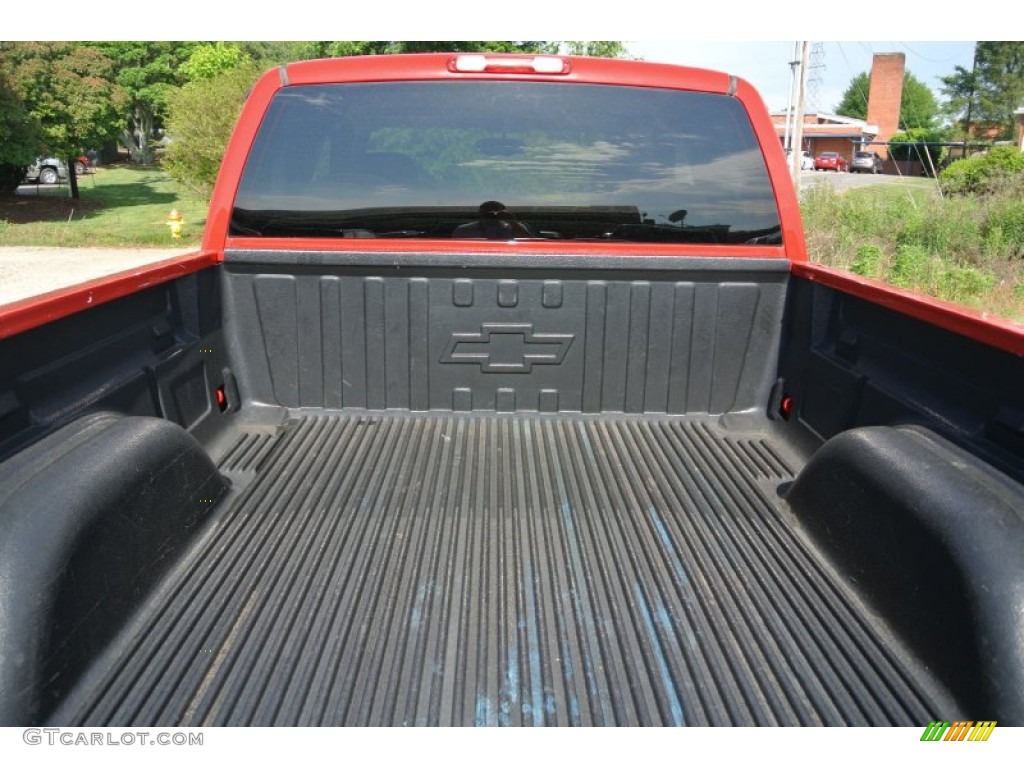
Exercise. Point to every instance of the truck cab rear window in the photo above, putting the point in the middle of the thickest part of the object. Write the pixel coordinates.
(506, 160)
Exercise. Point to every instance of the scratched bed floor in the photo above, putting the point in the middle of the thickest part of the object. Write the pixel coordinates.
(470, 569)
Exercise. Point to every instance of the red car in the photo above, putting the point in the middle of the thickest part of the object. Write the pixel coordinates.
(831, 161)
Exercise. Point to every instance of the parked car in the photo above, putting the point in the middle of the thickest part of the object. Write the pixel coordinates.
(82, 165)
(866, 162)
(50, 170)
(46, 170)
(831, 161)
(806, 160)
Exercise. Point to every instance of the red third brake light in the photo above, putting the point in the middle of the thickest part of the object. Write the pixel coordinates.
(537, 65)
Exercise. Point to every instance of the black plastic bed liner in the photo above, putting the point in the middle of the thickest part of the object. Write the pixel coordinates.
(473, 569)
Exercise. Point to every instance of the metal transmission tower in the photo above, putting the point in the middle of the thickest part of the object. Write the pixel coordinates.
(815, 77)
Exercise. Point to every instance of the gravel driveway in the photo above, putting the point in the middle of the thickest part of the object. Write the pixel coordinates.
(845, 181)
(27, 271)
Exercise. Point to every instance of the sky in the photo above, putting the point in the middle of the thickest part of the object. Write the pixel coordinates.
(766, 64)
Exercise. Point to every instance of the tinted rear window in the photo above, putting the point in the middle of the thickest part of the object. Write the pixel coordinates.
(506, 159)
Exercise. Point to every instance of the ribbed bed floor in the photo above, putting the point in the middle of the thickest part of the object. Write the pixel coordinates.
(479, 569)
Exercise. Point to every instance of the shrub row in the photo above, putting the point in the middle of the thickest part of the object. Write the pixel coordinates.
(999, 169)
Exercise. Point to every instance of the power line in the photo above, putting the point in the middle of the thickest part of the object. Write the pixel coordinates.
(925, 58)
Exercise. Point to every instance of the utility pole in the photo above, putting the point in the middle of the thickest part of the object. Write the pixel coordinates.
(793, 64)
(798, 127)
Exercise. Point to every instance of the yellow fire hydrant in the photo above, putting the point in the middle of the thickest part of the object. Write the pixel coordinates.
(175, 221)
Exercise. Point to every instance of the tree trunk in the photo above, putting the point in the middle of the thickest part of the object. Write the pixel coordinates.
(137, 140)
(10, 177)
(72, 178)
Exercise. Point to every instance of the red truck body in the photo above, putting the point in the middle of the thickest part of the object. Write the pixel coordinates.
(624, 464)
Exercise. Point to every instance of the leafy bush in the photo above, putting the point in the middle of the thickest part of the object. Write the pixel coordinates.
(911, 266)
(867, 261)
(922, 145)
(201, 118)
(949, 227)
(996, 244)
(960, 283)
(984, 174)
(1004, 229)
(917, 268)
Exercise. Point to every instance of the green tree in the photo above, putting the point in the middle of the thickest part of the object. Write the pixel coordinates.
(69, 91)
(372, 47)
(605, 48)
(1000, 71)
(201, 118)
(270, 53)
(990, 93)
(960, 97)
(149, 73)
(918, 106)
(608, 49)
(210, 59)
(471, 46)
(855, 98)
(19, 136)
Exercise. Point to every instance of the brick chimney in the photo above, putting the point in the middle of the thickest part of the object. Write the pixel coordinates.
(884, 95)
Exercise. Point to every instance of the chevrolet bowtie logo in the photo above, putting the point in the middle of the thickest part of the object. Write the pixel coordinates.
(507, 348)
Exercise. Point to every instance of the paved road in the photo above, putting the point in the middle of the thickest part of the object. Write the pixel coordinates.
(31, 270)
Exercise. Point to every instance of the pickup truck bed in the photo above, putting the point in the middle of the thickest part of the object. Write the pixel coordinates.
(387, 569)
(369, 564)
(389, 450)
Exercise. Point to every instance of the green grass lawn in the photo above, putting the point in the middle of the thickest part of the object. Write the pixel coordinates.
(120, 206)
